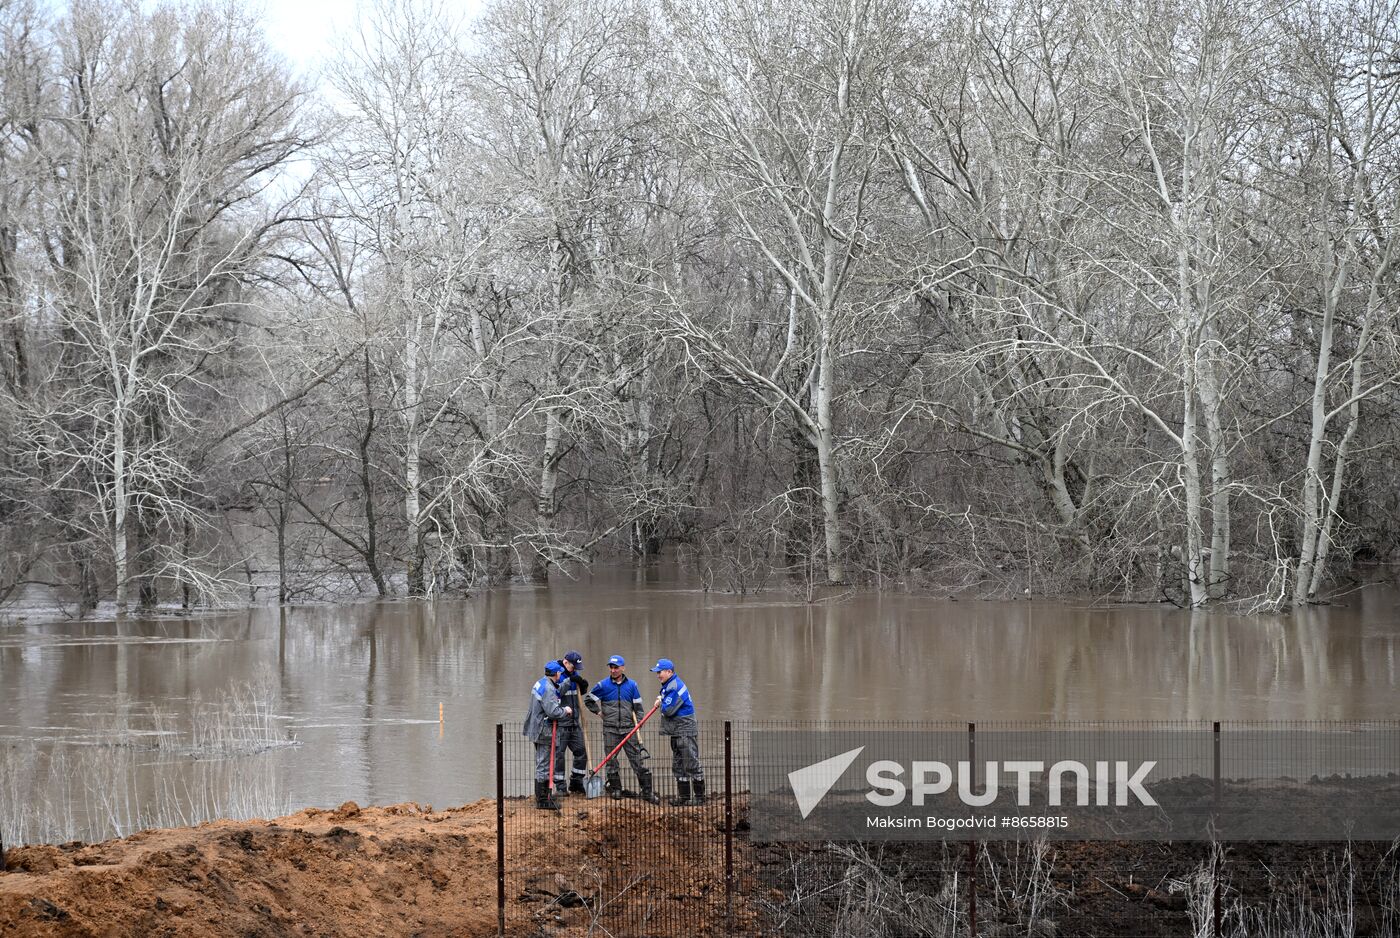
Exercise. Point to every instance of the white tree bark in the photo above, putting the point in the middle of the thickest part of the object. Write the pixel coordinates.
(1312, 507)
(826, 461)
(120, 504)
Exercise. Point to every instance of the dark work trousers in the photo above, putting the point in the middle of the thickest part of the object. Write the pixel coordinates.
(685, 759)
(541, 760)
(571, 740)
(633, 751)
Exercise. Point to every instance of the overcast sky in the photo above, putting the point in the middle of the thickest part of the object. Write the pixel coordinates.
(305, 30)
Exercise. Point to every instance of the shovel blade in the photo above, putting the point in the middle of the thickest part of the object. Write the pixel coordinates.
(593, 786)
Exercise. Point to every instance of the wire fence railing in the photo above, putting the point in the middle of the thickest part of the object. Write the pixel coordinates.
(626, 867)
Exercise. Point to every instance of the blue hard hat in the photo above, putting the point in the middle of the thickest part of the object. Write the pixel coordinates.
(617, 660)
(664, 664)
(552, 667)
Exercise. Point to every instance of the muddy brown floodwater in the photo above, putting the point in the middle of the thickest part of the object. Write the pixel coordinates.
(359, 685)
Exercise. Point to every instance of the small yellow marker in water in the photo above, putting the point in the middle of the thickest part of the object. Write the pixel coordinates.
(439, 719)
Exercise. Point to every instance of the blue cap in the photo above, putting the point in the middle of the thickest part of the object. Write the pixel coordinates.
(617, 660)
(664, 664)
(552, 667)
(573, 656)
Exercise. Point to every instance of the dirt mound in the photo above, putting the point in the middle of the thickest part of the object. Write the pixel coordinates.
(398, 870)
(374, 871)
(377, 871)
(406, 870)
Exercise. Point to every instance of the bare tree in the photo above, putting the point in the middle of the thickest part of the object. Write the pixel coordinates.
(169, 128)
(24, 80)
(401, 79)
(561, 120)
(1350, 157)
(783, 113)
(1027, 296)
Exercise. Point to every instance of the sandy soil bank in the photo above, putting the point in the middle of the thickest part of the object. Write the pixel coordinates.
(391, 871)
(407, 870)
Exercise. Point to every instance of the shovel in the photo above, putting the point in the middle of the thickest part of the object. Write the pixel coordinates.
(645, 753)
(583, 731)
(593, 785)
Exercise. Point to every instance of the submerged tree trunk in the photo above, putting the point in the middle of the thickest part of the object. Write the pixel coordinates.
(1312, 472)
(120, 500)
(1219, 571)
(826, 466)
(186, 542)
(643, 536)
(366, 479)
(1188, 326)
(1195, 566)
(546, 506)
(147, 542)
(281, 553)
(412, 509)
(414, 373)
(88, 594)
(1320, 516)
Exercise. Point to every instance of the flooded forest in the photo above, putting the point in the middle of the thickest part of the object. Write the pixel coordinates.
(1010, 297)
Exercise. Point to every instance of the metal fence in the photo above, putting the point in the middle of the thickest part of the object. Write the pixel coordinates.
(628, 868)
(619, 867)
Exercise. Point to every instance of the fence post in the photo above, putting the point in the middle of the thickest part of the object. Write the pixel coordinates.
(1215, 848)
(728, 828)
(500, 833)
(972, 844)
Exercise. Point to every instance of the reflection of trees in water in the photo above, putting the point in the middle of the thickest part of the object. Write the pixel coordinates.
(361, 674)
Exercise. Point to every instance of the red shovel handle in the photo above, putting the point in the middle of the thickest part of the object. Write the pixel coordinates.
(623, 741)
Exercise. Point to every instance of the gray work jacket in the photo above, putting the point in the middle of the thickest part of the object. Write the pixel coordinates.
(545, 709)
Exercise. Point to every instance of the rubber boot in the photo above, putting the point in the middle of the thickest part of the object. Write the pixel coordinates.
(682, 794)
(698, 787)
(614, 789)
(576, 785)
(542, 799)
(648, 793)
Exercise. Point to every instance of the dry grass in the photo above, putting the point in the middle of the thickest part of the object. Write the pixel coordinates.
(133, 769)
(854, 890)
(1314, 900)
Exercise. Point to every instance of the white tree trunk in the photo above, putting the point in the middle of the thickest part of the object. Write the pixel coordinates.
(1054, 473)
(1324, 515)
(413, 443)
(1188, 325)
(826, 364)
(412, 496)
(1324, 531)
(547, 504)
(1219, 574)
(826, 464)
(1191, 479)
(1312, 478)
(1309, 575)
(120, 497)
(1319, 512)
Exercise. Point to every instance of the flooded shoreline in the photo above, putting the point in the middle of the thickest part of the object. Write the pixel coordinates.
(358, 686)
